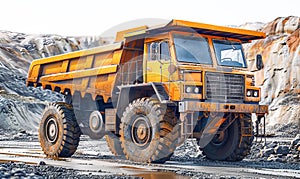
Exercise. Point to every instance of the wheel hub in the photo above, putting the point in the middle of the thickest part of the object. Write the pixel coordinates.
(96, 123)
(51, 130)
(141, 132)
(220, 138)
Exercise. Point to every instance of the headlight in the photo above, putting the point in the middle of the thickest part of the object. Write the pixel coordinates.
(188, 89)
(252, 93)
(193, 89)
(197, 90)
(255, 93)
(249, 93)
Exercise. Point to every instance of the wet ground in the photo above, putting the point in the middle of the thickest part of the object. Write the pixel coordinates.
(93, 160)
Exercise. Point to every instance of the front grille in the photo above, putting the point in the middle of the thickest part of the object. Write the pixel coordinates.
(224, 87)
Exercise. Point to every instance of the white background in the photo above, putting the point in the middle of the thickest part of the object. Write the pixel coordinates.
(94, 17)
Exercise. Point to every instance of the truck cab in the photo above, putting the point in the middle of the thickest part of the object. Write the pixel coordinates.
(195, 61)
(184, 58)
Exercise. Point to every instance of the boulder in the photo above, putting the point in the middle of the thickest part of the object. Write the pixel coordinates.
(267, 152)
(274, 158)
(295, 141)
(282, 149)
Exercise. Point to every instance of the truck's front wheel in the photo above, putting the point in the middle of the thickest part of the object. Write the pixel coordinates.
(234, 143)
(59, 132)
(148, 131)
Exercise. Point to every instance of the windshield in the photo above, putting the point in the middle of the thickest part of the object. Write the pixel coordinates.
(192, 49)
(229, 53)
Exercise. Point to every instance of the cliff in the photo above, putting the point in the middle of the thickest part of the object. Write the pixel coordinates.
(280, 78)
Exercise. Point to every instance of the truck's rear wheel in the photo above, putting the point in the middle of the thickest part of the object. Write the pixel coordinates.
(148, 131)
(234, 143)
(59, 133)
(86, 109)
(114, 144)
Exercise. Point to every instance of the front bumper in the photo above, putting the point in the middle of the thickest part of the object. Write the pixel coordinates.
(194, 106)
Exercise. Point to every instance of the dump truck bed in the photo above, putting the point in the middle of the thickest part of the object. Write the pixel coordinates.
(86, 71)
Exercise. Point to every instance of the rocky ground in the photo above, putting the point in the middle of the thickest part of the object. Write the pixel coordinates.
(274, 150)
(279, 154)
(21, 170)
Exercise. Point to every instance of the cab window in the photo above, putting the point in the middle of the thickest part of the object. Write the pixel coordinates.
(192, 49)
(229, 53)
(164, 50)
(158, 50)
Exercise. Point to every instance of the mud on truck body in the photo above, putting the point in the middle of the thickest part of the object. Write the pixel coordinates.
(151, 90)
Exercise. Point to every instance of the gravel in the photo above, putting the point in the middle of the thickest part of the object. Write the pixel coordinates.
(276, 154)
(285, 151)
(188, 153)
(21, 170)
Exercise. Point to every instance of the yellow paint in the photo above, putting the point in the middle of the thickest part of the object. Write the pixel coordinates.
(130, 32)
(209, 27)
(80, 73)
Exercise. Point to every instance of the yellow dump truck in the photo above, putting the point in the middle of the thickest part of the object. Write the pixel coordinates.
(151, 90)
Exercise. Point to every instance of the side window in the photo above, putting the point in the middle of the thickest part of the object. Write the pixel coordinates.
(153, 51)
(158, 51)
(164, 50)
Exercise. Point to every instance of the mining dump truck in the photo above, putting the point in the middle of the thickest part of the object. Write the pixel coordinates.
(152, 89)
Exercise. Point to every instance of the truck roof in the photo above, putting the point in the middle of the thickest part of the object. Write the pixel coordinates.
(201, 28)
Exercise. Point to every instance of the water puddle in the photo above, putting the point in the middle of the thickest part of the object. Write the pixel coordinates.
(132, 168)
(159, 175)
(150, 174)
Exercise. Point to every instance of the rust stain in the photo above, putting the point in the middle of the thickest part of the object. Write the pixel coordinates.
(293, 41)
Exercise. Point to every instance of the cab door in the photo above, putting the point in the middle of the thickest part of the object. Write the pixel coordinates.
(158, 61)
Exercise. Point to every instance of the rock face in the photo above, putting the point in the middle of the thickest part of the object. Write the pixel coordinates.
(21, 106)
(17, 50)
(280, 78)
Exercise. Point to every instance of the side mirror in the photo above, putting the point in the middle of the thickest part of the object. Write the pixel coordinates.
(259, 62)
(172, 69)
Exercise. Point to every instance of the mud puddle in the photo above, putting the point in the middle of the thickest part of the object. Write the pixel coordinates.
(151, 174)
(159, 175)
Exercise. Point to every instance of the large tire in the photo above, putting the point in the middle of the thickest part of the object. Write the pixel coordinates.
(114, 144)
(148, 131)
(235, 145)
(59, 133)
